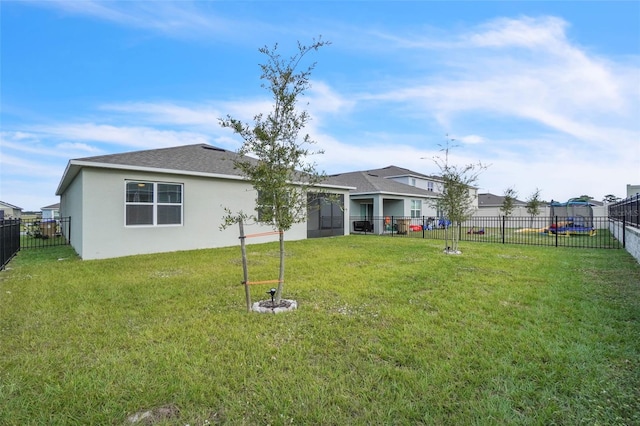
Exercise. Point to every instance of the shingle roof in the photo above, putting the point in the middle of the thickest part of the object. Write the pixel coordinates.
(191, 159)
(395, 171)
(366, 183)
(11, 206)
(195, 158)
(491, 200)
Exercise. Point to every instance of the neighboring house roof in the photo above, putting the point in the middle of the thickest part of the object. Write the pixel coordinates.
(197, 160)
(395, 171)
(55, 206)
(10, 206)
(367, 183)
(491, 200)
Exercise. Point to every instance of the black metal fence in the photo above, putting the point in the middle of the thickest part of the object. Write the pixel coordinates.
(541, 231)
(18, 234)
(9, 240)
(626, 211)
(39, 233)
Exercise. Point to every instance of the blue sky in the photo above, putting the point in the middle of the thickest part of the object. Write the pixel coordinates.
(546, 93)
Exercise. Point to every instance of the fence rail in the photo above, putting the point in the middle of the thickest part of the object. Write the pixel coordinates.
(626, 211)
(541, 231)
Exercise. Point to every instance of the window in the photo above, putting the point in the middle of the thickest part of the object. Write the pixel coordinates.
(412, 182)
(416, 208)
(153, 203)
(429, 186)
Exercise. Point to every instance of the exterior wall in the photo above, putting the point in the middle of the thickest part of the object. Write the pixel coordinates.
(104, 234)
(71, 206)
(394, 207)
(419, 183)
(633, 190)
(631, 238)
(10, 212)
(48, 214)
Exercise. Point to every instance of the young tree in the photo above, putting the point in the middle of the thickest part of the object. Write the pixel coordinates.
(281, 175)
(610, 198)
(456, 200)
(508, 203)
(533, 205)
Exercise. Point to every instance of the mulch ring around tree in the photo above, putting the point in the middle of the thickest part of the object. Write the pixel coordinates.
(268, 307)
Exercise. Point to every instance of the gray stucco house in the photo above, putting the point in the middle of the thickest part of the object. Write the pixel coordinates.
(172, 199)
(9, 211)
(389, 192)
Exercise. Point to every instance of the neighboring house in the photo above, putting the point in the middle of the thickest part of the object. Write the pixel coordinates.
(51, 212)
(9, 211)
(490, 204)
(633, 190)
(390, 192)
(173, 199)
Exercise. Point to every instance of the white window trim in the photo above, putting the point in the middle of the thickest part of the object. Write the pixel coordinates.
(155, 204)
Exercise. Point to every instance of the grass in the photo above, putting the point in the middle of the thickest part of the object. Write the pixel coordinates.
(388, 331)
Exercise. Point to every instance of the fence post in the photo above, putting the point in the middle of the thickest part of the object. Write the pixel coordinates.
(503, 230)
(556, 223)
(624, 230)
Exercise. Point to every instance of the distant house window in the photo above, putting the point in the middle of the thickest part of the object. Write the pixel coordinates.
(153, 203)
(429, 186)
(416, 208)
(413, 182)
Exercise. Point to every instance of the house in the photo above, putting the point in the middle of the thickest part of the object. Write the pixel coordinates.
(172, 199)
(51, 212)
(391, 191)
(9, 211)
(490, 204)
(633, 190)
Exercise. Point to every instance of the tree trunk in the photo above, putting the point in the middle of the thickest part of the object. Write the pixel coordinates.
(281, 274)
(245, 269)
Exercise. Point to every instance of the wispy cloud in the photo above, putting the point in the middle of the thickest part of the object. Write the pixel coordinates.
(527, 69)
(180, 19)
(134, 137)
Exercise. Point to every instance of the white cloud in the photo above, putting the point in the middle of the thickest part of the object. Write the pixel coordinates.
(168, 113)
(182, 19)
(324, 99)
(136, 137)
(531, 33)
(471, 139)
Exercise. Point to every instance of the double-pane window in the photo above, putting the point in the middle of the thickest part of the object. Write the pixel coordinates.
(153, 203)
(416, 208)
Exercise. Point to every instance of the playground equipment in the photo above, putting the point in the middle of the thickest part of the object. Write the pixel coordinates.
(571, 218)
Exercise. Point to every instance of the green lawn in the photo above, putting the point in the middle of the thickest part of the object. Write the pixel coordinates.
(388, 331)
